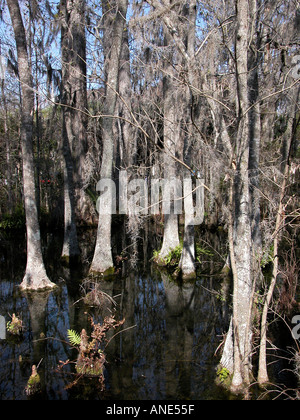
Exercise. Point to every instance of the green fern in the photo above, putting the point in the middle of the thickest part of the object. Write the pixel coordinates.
(74, 338)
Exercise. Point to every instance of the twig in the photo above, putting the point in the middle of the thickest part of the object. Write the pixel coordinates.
(126, 329)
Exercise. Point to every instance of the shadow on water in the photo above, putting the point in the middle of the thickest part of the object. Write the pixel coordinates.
(169, 354)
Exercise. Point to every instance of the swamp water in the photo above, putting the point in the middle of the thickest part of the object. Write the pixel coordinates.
(168, 354)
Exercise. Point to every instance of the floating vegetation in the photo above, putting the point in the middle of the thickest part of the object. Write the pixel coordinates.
(74, 338)
(34, 383)
(91, 357)
(15, 326)
(93, 296)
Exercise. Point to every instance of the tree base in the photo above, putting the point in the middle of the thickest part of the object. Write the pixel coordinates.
(70, 260)
(263, 383)
(189, 276)
(109, 272)
(36, 283)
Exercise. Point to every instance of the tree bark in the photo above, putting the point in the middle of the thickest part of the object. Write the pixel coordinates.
(241, 249)
(70, 246)
(187, 262)
(74, 100)
(172, 118)
(8, 152)
(127, 132)
(74, 70)
(171, 234)
(188, 257)
(35, 276)
(255, 129)
(115, 13)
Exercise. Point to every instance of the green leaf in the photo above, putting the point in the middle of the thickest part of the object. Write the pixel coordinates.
(74, 338)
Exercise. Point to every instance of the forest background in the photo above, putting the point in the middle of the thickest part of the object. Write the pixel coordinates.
(161, 90)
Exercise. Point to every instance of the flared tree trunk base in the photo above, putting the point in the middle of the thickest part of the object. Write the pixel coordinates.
(36, 281)
(189, 275)
(107, 273)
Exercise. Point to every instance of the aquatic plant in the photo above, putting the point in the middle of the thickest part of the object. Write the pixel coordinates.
(172, 260)
(200, 251)
(91, 357)
(34, 383)
(94, 296)
(223, 375)
(74, 338)
(15, 326)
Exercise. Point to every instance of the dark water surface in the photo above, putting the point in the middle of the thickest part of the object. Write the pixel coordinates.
(169, 354)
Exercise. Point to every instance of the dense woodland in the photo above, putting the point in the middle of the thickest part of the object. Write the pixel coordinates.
(161, 89)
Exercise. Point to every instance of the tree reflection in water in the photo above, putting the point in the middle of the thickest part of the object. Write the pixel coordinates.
(168, 355)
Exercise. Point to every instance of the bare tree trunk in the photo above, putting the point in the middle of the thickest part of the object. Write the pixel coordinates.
(75, 90)
(115, 13)
(171, 134)
(241, 257)
(172, 120)
(70, 246)
(35, 277)
(74, 101)
(127, 132)
(188, 256)
(8, 152)
(254, 129)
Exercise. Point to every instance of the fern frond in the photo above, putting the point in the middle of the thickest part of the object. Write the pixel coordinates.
(74, 338)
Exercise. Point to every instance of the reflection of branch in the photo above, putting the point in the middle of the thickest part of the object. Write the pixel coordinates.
(120, 332)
